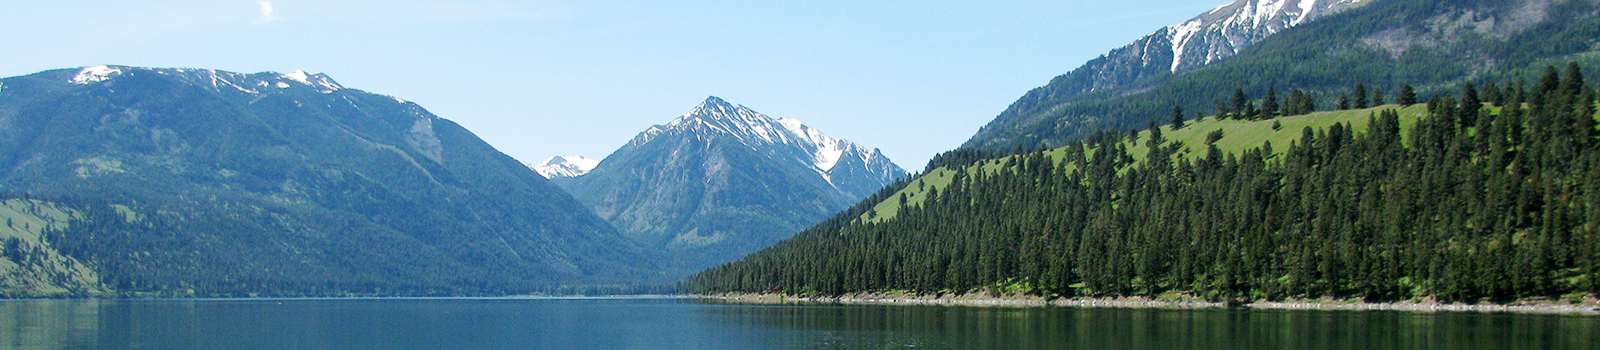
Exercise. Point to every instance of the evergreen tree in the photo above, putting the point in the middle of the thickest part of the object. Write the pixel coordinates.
(1573, 84)
(1177, 117)
(1408, 96)
(1470, 104)
(1550, 81)
(1377, 97)
(1344, 102)
(1361, 96)
(1269, 106)
(1239, 101)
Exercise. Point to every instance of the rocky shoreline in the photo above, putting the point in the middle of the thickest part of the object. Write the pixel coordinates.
(1589, 307)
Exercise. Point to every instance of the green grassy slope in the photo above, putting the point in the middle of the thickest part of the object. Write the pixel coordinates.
(29, 264)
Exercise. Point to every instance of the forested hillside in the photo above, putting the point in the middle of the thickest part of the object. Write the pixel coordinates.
(1492, 193)
(1434, 45)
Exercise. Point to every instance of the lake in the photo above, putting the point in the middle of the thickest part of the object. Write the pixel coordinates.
(672, 323)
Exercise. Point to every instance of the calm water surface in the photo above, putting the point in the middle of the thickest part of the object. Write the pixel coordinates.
(542, 323)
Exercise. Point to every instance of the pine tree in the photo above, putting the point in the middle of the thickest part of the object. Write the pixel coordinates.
(1269, 106)
(1408, 96)
(1177, 117)
(1550, 81)
(1239, 100)
(1377, 97)
(1470, 104)
(1361, 96)
(1573, 84)
(1344, 102)
(1155, 133)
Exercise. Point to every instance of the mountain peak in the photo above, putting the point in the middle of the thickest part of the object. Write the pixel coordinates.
(716, 117)
(716, 108)
(713, 100)
(565, 166)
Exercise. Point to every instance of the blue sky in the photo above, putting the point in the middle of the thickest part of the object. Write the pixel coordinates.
(542, 78)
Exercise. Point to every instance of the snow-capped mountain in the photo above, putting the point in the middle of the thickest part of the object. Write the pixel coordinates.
(1210, 38)
(564, 166)
(722, 181)
(786, 139)
(216, 80)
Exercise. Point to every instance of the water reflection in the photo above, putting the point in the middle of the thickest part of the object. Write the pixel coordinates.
(1078, 328)
(49, 324)
(693, 324)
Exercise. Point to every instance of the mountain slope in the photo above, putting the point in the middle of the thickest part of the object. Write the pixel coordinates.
(288, 184)
(1434, 45)
(1445, 201)
(1212, 37)
(722, 181)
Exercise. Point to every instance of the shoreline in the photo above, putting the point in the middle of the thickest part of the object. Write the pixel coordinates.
(1589, 307)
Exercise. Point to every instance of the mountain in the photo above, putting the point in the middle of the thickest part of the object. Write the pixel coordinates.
(1212, 37)
(1453, 201)
(1323, 47)
(565, 166)
(722, 181)
(195, 182)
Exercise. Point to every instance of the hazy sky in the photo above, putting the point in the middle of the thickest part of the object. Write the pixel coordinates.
(542, 78)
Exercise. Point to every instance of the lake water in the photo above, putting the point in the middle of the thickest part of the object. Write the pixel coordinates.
(667, 323)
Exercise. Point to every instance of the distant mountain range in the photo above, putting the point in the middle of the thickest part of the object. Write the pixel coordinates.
(195, 182)
(564, 166)
(723, 180)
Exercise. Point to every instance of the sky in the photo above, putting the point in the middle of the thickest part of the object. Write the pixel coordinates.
(543, 78)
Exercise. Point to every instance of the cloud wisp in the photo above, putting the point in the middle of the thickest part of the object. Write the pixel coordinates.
(267, 14)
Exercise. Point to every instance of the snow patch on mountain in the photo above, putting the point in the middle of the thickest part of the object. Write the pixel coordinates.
(564, 166)
(217, 80)
(317, 80)
(1181, 33)
(828, 149)
(1303, 8)
(95, 74)
(1230, 28)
